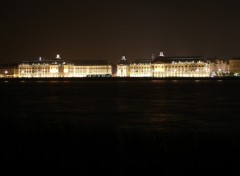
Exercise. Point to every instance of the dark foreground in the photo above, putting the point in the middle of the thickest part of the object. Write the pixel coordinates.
(159, 127)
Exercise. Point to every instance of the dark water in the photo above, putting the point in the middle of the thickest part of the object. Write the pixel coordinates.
(120, 127)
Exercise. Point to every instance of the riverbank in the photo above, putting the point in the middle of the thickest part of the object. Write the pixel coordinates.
(118, 78)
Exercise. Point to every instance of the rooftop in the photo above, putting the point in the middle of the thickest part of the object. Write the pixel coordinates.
(52, 61)
(90, 62)
(142, 61)
(178, 59)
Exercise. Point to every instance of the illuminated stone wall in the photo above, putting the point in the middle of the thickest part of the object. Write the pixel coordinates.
(174, 69)
(219, 67)
(123, 71)
(88, 70)
(234, 66)
(53, 68)
(68, 71)
(59, 70)
(44, 70)
(141, 70)
(181, 69)
(8, 71)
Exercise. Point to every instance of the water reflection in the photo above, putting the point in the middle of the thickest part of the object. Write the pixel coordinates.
(169, 127)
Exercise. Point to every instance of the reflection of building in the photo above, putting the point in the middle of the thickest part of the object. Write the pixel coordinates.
(234, 66)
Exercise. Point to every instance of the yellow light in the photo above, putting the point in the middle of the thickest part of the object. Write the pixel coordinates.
(66, 70)
(53, 70)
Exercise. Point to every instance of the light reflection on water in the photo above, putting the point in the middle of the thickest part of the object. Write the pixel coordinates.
(177, 102)
(131, 126)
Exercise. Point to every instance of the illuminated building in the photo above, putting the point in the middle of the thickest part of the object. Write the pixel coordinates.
(60, 68)
(234, 66)
(180, 67)
(45, 68)
(141, 68)
(9, 70)
(92, 68)
(219, 67)
(162, 66)
(158, 67)
(123, 68)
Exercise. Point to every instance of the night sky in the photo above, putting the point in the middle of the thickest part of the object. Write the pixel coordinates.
(108, 29)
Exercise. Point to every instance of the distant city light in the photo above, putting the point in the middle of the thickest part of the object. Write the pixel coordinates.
(58, 56)
(161, 54)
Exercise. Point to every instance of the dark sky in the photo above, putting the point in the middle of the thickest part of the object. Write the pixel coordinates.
(108, 29)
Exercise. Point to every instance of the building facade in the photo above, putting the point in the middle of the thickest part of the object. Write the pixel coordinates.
(92, 68)
(162, 66)
(60, 68)
(9, 71)
(123, 68)
(234, 66)
(219, 67)
(158, 67)
(181, 67)
(45, 69)
(141, 68)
